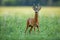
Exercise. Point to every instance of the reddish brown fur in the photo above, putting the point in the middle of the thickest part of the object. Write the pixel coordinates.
(32, 22)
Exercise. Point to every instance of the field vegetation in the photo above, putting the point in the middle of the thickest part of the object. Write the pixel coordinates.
(13, 23)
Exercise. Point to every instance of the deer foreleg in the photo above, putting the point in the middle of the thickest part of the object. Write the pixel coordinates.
(38, 28)
(34, 28)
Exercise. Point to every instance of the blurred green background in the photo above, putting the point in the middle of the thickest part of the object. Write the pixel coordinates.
(29, 2)
(14, 14)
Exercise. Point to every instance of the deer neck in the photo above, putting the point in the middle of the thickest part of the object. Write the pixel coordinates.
(36, 17)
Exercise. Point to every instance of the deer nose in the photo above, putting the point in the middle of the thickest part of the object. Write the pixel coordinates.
(36, 12)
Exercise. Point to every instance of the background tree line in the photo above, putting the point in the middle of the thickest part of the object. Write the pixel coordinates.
(29, 2)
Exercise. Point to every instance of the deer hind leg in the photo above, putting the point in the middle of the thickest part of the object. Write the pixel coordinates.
(30, 28)
(27, 26)
(26, 29)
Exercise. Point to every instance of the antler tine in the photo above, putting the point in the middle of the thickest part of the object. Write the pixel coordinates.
(39, 6)
(33, 6)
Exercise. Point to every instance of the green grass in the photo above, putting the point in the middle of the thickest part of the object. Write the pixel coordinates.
(13, 23)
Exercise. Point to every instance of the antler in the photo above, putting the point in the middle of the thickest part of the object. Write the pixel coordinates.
(39, 7)
(36, 8)
(33, 6)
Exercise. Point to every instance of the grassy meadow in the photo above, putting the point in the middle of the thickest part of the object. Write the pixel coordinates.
(13, 23)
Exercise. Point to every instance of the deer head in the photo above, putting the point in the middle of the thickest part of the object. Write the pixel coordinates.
(36, 8)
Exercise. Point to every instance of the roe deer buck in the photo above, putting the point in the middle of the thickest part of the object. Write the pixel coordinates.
(33, 22)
